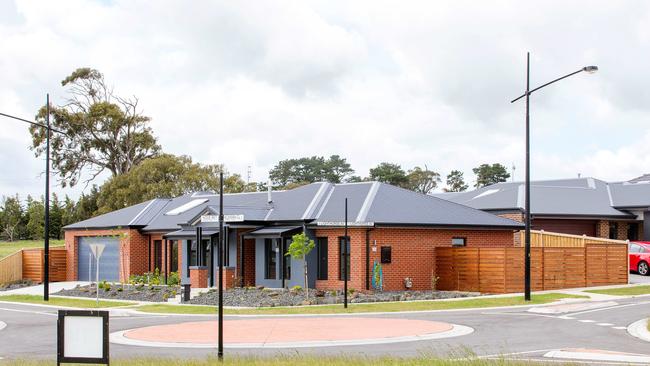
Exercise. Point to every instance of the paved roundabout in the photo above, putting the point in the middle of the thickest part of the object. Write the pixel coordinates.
(290, 332)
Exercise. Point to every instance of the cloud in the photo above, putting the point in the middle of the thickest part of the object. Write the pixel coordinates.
(250, 83)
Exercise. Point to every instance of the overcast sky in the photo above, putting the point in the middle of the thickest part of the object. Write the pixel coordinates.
(248, 83)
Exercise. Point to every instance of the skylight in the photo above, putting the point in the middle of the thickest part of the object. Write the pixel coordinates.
(486, 193)
(186, 207)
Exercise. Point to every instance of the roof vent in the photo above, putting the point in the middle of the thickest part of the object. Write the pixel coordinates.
(269, 197)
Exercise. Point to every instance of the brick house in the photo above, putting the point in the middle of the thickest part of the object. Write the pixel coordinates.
(397, 228)
(581, 206)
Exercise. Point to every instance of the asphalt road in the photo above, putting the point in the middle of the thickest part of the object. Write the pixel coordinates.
(31, 333)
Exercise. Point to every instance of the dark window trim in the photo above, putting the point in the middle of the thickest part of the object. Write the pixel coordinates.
(323, 258)
(349, 249)
(386, 258)
(268, 250)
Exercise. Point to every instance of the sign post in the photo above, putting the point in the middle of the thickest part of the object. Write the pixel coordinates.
(97, 250)
(82, 337)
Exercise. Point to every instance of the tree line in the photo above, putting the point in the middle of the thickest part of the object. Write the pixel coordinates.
(103, 132)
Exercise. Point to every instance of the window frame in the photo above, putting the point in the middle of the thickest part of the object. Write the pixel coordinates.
(382, 254)
(464, 239)
(322, 262)
(270, 259)
(342, 242)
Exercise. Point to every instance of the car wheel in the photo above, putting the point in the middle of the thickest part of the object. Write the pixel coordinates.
(643, 269)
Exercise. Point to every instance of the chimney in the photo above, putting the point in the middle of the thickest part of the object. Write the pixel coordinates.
(269, 198)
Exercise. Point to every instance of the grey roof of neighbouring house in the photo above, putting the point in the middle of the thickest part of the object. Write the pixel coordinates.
(315, 203)
(565, 197)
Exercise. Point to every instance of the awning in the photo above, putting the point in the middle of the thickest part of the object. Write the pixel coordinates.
(273, 231)
(189, 234)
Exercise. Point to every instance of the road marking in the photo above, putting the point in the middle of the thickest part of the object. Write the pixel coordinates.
(566, 317)
(610, 308)
(586, 321)
(620, 328)
(29, 312)
(605, 324)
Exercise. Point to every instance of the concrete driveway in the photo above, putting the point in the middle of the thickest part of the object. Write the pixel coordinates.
(635, 278)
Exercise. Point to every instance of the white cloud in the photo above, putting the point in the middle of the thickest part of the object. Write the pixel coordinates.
(250, 83)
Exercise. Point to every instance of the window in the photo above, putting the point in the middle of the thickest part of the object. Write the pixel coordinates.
(286, 259)
(344, 258)
(633, 231)
(269, 259)
(385, 254)
(174, 255)
(613, 230)
(321, 249)
(157, 255)
(458, 242)
(635, 248)
(192, 252)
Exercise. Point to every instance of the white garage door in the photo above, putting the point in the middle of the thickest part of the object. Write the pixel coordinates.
(109, 262)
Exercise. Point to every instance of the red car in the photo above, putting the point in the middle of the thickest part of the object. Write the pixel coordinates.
(640, 257)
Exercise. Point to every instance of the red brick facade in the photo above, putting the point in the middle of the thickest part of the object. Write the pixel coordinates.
(199, 277)
(133, 251)
(412, 251)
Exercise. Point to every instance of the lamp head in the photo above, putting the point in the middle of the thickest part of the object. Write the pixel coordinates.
(590, 69)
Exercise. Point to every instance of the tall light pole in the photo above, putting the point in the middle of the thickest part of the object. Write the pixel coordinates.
(48, 132)
(587, 69)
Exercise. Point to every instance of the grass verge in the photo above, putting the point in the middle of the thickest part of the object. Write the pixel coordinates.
(10, 247)
(363, 308)
(61, 301)
(299, 361)
(623, 291)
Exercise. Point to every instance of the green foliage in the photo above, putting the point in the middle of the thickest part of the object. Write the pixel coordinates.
(154, 278)
(296, 288)
(300, 246)
(456, 182)
(163, 176)
(11, 213)
(487, 174)
(173, 279)
(296, 172)
(390, 173)
(56, 217)
(35, 218)
(102, 131)
(422, 180)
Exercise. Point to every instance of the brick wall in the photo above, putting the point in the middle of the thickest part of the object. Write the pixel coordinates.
(621, 233)
(519, 217)
(412, 251)
(199, 277)
(133, 251)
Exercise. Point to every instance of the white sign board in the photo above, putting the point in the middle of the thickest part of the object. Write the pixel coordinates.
(97, 249)
(226, 218)
(84, 336)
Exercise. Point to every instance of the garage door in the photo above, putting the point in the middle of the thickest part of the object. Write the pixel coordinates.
(109, 262)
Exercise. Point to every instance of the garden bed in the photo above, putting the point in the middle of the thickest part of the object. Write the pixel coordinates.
(128, 292)
(16, 285)
(262, 297)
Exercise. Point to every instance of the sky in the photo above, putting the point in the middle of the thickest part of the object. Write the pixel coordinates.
(249, 83)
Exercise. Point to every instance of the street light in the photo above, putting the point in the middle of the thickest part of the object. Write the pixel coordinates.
(46, 256)
(588, 69)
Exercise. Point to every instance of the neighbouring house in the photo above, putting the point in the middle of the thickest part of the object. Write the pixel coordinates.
(389, 225)
(581, 206)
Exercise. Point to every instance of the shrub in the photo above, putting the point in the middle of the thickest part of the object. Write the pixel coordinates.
(296, 288)
(120, 289)
(173, 279)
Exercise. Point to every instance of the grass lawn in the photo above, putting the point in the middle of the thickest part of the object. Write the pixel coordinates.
(60, 301)
(10, 247)
(298, 360)
(624, 291)
(362, 308)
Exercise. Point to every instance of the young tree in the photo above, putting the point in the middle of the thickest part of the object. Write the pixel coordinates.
(456, 182)
(389, 173)
(299, 249)
(102, 131)
(309, 170)
(422, 180)
(12, 213)
(487, 174)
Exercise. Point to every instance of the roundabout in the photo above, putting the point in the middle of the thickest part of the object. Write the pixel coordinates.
(289, 332)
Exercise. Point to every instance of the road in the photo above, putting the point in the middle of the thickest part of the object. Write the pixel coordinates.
(514, 332)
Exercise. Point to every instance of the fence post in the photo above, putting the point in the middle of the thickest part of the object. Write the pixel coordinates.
(627, 269)
(541, 236)
(584, 239)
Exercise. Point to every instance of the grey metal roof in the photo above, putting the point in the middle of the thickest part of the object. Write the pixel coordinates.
(567, 197)
(273, 230)
(187, 233)
(318, 202)
(135, 215)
